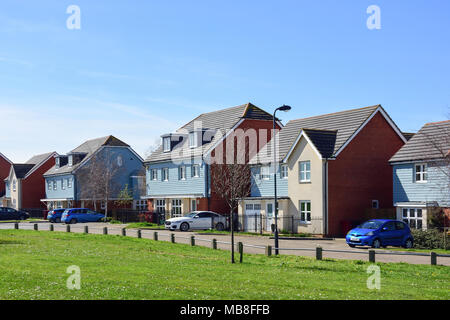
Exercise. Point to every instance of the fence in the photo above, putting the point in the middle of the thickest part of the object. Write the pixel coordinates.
(267, 249)
(124, 216)
(38, 213)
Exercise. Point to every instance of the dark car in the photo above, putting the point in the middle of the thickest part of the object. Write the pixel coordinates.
(55, 215)
(381, 233)
(13, 214)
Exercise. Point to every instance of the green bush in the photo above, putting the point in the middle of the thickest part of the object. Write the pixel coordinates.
(430, 239)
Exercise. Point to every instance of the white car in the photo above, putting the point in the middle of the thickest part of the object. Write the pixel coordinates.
(202, 220)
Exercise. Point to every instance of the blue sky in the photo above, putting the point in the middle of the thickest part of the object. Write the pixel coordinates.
(138, 69)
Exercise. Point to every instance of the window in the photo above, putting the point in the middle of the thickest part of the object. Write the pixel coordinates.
(399, 225)
(305, 171)
(14, 185)
(269, 212)
(69, 183)
(284, 171)
(49, 185)
(305, 211)
(119, 161)
(70, 160)
(194, 205)
(57, 163)
(160, 206)
(390, 226)
(154, 174)
(192, 139)
(63, 185)
(166, 144)
(421, 172)
(195, 170)
(103, 205)
(265, 172)
(141, 205)
(176, 208)
(413, 217)
(55, 185)
(182, 173)
(375, 204)
(165, 174)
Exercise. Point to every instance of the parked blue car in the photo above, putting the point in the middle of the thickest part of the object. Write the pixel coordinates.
(378, 233)
(55, 215)
(75, 215)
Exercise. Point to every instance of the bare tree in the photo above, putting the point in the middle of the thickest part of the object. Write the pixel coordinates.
(99, 178)
(231, 182)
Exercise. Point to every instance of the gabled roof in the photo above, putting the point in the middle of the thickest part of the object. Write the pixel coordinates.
(88, 148)
(432, 142)
(4, 157)
(329, 133)
(217, 123)
(23, 170)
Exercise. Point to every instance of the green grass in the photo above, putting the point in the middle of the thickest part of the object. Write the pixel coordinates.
(33, 266)
(443, 251)
(144, 225)
(31, 220)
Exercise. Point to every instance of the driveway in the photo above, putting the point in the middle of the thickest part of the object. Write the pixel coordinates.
(252, 244)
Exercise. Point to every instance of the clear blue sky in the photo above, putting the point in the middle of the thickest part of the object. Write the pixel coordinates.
(138, 69)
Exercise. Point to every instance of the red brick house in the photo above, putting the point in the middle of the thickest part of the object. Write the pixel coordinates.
(5, 166)
(334, 172)
(25, 183)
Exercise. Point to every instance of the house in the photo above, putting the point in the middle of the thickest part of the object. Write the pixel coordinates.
(333, 172)
(421, 175)
(25, 184)
(5, 166)
(78, 178)
(179, 178)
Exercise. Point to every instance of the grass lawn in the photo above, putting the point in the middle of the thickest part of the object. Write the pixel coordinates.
(297, 235)
(33, 266)
(145, 225)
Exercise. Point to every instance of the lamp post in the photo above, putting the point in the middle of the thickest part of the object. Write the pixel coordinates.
(284, 108)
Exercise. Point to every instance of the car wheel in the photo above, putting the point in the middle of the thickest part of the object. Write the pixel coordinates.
(351, 245)
(408, 244)
(376, 243)
(73, 221)
(184, 227)
(220, 227)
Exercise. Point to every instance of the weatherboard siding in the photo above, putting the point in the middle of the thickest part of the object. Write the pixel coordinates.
(265, 187)
(175, 186)
(406, 189)
(60, 193)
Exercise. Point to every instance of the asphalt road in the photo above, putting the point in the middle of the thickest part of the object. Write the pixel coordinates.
(252, 244)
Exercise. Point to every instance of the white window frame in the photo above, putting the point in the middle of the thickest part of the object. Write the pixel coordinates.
(177, 208)
(166, 144)
(304, 213)
(195, 173)
(63, 185)
(69, 183)
(70, 160)
(55, 185)
(14, 185)
(182, 173)
(284, 171)
(304, 170)
(165, 174)
(423, 174)
(154, 174)
(265, 172)
(49, 185)
(192, 139)
(412, 214)
(160, 206)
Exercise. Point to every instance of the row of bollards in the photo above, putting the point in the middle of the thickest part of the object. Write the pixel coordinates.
(240, 245)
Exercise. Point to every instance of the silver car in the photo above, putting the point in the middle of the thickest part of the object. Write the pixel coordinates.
(197, 220)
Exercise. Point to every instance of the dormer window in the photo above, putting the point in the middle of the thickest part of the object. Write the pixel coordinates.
(192, 140)
(70, 160)
(57, 163)
(166, 144)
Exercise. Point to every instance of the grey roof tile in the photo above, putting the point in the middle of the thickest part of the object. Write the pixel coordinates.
(431, 142)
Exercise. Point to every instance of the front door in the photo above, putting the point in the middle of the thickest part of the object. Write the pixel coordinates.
(269, 216)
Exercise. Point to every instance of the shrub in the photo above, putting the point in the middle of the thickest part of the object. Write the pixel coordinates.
(430, 239)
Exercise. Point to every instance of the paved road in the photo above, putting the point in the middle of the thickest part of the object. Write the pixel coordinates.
(252, 244)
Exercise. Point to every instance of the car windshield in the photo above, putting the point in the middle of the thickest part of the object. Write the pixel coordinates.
(191, 215)
(373, 224)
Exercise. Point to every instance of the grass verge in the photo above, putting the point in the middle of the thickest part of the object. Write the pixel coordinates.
(33, 266)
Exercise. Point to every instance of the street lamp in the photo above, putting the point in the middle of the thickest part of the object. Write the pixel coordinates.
(284, 108)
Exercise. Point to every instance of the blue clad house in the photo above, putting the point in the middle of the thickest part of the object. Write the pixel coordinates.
(421, 170)
(69, 183)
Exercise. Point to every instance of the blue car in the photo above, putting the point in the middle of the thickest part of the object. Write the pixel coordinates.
(55, 215)
(75, 215)
(378, 233)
